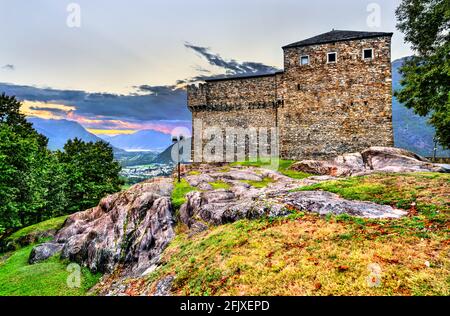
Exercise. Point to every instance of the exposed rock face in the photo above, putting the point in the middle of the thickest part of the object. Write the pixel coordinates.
(374, 159)
(397, 160)
(43, 252)
(130, 227)
(325, 203)
(164, 286)
(133, 227)
(241, 200)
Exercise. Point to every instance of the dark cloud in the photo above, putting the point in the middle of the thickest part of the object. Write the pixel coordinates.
(156, 90)
(160, 103)
(231, 66)
(49, 109)
(8, 67)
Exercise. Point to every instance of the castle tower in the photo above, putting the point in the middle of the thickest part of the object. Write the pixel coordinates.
(337, 89)
(334, 96)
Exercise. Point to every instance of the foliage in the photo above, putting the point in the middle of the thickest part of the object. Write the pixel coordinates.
(48, 278)
(426, 76)
(37, 184)
(92, 173)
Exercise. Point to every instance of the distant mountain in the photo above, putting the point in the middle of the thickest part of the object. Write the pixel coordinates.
(166, 156)
(59, 132)
(128, 159)
(411, 131)
(141, 141)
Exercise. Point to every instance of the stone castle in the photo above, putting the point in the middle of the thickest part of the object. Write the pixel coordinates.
(334, 96)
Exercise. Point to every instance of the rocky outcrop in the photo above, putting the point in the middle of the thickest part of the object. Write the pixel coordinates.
(241, 200)
(43, 252)
(387, 159)
(325, 203)
(130, 227)
(374, 159)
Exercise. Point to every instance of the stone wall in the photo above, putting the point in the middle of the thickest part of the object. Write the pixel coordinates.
(320, 109)
(332, 108)
(243, 103)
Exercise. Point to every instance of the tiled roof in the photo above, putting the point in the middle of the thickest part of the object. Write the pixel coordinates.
(337, 36)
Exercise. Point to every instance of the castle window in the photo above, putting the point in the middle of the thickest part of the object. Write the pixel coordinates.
(304, 60)
(332, 58)
(368, 53)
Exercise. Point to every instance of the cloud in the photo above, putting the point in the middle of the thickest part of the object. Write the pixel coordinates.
(231, 66)
(9, 67)
(46, 110)
(157, 107)
(158, 103)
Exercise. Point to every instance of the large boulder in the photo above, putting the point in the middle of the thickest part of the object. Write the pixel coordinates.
(324, 203)
(130, 227)
(44, 251)
(397, 160)
(373, 159)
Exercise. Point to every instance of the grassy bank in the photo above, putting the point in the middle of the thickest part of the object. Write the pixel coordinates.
(33, 233)
(306, 254)
(48, 278)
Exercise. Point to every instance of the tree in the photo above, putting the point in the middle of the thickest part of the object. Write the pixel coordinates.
(18, 189)
(92, 173)
(426, 76)
(37, 184)
(10, 115)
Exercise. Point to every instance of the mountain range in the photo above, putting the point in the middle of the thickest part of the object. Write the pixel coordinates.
(59, 132)
(144, 140)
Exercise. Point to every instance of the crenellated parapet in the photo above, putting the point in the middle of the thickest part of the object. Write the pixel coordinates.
(242, 93)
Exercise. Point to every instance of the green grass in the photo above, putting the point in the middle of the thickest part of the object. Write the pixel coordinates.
(308, 254)
(179, 193)
(305, 254)
(220, 185)
(283, 167)
(32, 233)
(424, 195)
(194, 173)
(48, 278)
(399, 190)
(126, 187)
(259, 184)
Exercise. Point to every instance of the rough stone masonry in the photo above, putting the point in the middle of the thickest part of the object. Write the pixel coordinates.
(334, 96)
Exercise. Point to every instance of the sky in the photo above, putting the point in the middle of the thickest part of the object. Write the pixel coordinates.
(119, 66)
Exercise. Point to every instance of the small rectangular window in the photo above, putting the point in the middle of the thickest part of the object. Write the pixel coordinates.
(332, 58)
(304, 60)
(368, 53)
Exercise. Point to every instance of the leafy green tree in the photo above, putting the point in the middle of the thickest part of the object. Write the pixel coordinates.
(18, 189)
(10, 115)
(37, 184)
(92, 173)
(426, 83)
